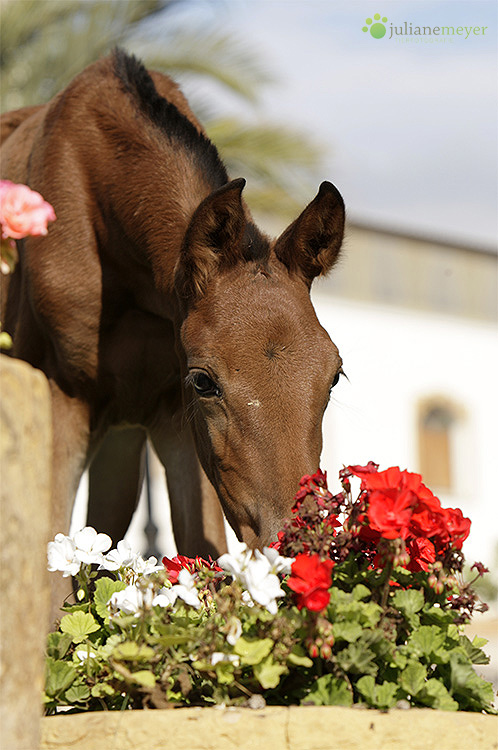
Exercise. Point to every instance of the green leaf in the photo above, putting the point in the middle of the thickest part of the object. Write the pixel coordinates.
(476, 655)
(386, 695)
(366, 688)
(145, 677)
(104, 589)
(224, 672)
(357, 658)
(380, 696)
(132, 651)
(462, 672)
(58, 676)
(330, 691)
(479, 642)
(298, 658)
(77, 694)
(409, 602)
(82, 607)
(79, 625)
(361, 592)
(175, 639)
(436, 695)
(268, 673)
(436, 615)
(367, 614)
(482, 692)
(102, 690)
(254, 651)
(427, 640)
(412, 679)
(58, 644)
(347, 631)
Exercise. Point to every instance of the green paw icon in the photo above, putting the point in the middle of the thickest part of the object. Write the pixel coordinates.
(376, 26)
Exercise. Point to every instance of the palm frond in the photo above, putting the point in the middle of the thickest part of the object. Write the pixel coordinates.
(45, 43)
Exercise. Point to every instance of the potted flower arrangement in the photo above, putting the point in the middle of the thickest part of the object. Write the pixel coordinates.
(360, 601)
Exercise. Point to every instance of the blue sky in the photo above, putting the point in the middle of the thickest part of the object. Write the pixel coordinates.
(409, 129)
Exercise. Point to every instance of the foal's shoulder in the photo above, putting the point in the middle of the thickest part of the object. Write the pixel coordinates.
(10, 121)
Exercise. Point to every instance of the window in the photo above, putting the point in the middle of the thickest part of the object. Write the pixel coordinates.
(436, 426)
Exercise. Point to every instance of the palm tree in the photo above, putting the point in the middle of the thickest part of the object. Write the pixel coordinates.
(45, 43)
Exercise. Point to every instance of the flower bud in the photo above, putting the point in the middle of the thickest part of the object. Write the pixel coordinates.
(432, 581)
(313, 650)
(326, 651)
(402, 559)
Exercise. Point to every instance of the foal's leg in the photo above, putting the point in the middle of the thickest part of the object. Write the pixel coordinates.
(115, 480)
(70, 420)
(196, 513)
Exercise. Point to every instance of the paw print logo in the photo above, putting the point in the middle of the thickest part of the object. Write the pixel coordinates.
(376, 26)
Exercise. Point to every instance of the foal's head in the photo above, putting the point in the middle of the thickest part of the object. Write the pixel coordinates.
(259, 366)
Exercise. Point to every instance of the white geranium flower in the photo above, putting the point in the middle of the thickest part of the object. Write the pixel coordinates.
(236, 563)
(145, 567)
(262, 584)
(120, 557)
(83, 654)
(165, 598)
(90, 545)
(256, 573)
(61, 556)
(219, 656)
(278, 563)
(131, 600)
(185, 588)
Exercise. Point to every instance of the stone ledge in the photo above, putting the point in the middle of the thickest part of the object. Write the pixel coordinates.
(276, 728)
(25, 481)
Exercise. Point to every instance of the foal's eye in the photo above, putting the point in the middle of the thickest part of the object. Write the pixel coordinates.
(203, 384)
(335, 380)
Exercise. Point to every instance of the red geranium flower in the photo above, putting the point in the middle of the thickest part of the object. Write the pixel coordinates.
(311, 484)
(310, 580)
(179, 562)
(393, 497)
(421, 553)
(359, 471)
(457, 526)
(391, 515)
(428, 516)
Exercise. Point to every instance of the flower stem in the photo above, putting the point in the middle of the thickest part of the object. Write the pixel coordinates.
(387, 584)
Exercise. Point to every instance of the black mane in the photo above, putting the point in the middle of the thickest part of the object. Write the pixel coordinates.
(136, 80)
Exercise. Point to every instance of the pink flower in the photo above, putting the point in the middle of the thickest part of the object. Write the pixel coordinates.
(23, 211)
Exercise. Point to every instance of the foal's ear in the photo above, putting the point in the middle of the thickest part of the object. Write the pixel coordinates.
(212, 239)
(311, 244)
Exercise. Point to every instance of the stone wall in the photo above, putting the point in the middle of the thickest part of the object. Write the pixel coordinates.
(278, 728)
(25, 458)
